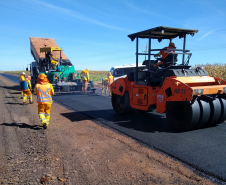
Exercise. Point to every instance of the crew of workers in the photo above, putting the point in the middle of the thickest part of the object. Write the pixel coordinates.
(45, 91)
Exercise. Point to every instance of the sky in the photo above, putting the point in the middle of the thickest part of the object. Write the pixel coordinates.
(94, 33)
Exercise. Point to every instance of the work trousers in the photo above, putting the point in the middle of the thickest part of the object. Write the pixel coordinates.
(22, 94)
(106, 88)
(44, 113)
(84, 85)
(27, 94)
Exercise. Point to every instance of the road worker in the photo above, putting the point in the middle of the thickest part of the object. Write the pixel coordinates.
(85, 78)
(104, 85)
(164, 53)
(110, 81)
(44, 92)
(55, 77)
(22, 78)
(54, 62)
(27, 93)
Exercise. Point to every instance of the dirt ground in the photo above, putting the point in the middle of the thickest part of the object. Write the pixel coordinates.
(75, 150)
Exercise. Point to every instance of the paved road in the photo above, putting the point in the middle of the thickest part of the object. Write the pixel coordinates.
(204, 149)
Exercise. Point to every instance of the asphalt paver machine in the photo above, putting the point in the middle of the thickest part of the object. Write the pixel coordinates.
(62, 76)
(190, 97)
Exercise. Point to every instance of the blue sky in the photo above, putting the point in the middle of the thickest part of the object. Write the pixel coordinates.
(93, 33)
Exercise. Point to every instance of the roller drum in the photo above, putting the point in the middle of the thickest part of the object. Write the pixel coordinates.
(183, 115)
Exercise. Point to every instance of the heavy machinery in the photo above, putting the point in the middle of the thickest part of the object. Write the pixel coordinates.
(60, 72)
(190, 97)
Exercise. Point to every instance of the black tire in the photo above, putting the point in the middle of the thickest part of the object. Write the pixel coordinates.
(182, 115)
(215, 113)
(223, 110)
(204, 113)
(121, 104)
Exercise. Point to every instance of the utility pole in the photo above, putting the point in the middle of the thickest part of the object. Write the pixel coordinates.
(146, 50)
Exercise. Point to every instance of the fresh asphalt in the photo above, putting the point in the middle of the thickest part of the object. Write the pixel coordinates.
(203, 149)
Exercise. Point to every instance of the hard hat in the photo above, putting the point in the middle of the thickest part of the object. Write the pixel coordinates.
(23, 73)
(172, 44)
(42, 76)
(87, 69)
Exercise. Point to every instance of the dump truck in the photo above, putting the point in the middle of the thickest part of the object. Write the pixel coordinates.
(189, 97)
(61, 73)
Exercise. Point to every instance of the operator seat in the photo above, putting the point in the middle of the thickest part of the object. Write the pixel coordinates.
(170, 60)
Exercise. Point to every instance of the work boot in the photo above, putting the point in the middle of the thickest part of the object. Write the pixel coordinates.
(45, 126)
(21, 97)
(31, 102)
(24, 103)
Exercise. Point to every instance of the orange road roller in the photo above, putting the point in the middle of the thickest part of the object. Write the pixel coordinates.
(190, 97)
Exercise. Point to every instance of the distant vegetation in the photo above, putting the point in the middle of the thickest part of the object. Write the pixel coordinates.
(216, 70)
(95, 76)
(17, 72)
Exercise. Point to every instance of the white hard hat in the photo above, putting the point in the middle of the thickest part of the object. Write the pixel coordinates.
(23, 73)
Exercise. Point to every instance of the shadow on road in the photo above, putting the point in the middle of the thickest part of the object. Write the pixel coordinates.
(15, 87)
(73, 116)
(148, 122)
(23, 125)
(14, 103)
(15, 92)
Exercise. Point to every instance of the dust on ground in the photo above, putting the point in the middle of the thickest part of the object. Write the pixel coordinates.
(75, 150)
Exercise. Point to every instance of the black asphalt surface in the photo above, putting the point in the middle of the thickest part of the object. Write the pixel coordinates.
(203, 149)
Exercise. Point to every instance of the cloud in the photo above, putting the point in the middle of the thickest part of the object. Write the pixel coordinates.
(205, 35)
(79, 16)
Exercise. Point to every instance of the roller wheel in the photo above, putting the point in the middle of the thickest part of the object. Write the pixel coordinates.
(182, 115)
(223, 110)
(215, 113)
(121, 104)
(204, 113)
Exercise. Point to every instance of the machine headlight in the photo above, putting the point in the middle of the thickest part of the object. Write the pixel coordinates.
(198, 92)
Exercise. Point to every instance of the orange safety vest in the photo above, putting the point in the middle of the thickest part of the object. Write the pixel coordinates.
(165, 53)
(110, 79)
(44, 94)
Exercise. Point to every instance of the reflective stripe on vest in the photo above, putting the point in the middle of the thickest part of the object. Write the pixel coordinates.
(41, 99)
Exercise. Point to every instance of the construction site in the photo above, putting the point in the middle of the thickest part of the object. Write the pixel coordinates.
(160, 121)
